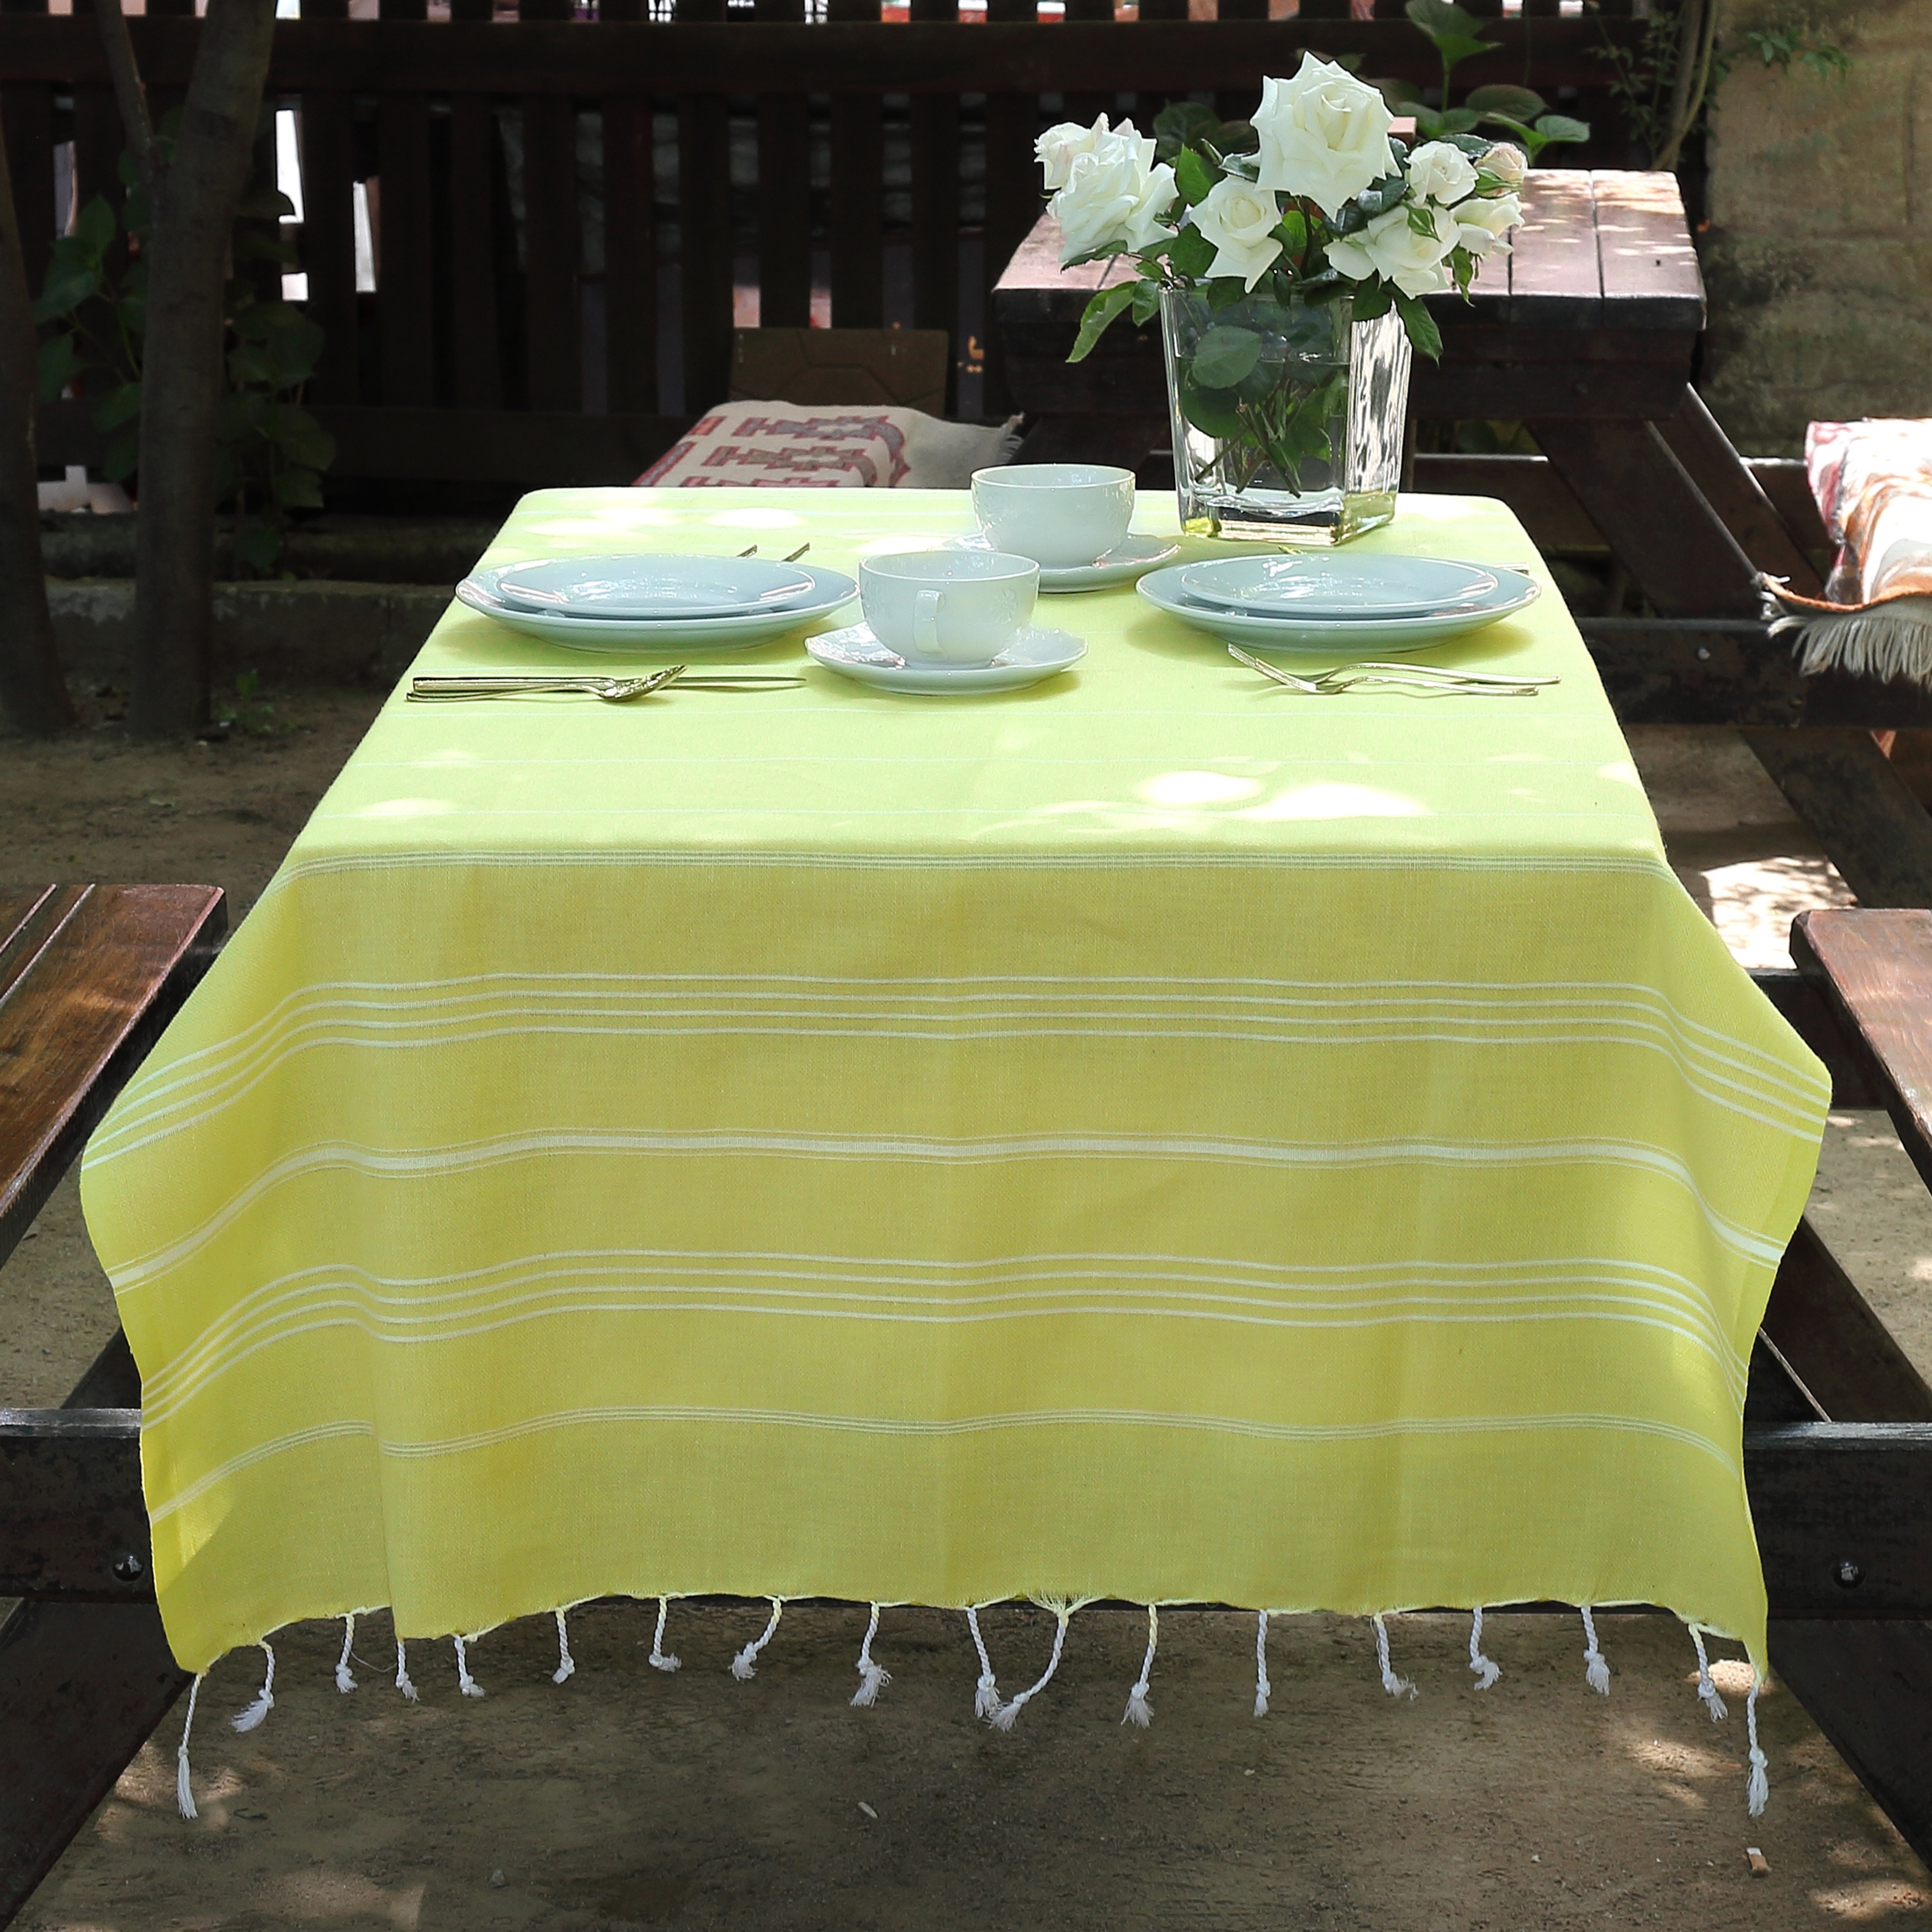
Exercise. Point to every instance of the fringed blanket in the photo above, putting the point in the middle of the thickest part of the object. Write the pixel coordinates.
(1873, 482)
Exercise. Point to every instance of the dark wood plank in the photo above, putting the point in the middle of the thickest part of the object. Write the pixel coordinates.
(1712, 671)
(935, 201)
(1728, 486)
(27, 108)
(1875, 969)
(552, 258)
(785, 193)
(1863, 811)
(1012, 198)
(405, 281)
(328, 135)
(858, 223)
(1844, 1355)
(1238, 102)
(1554, 280)
(704, 208)
(1855, 1082)
(932, 58)
(475, 345)
(91, 981)
(82, 1687)
(1782, 479)
(1543, 503)
(1079, 104)
(1868, 1687)
(630, 255)
(73, 1528)
(536, 448)
(1659, 527)
(1646, 260)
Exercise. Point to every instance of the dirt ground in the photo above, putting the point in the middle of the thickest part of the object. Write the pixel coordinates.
(628, 1797)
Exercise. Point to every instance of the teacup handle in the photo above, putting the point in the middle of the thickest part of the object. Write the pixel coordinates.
(925, 622)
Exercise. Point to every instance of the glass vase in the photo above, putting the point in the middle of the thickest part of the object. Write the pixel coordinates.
(1287, 416)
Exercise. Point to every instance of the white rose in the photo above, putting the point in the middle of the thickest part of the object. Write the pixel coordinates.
(1437, 172)
(1239, 219)
(1324, 134)
(1059, 148)
(1504, 160)
(1483, 227)
(1112, 199)
(1416, 264)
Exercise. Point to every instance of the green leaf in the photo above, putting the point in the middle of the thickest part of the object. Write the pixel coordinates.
(1193, 177)
(1373, 297)
(298, 489)
(1224, 291)
(1456, 121)
(1562, 127)
(252, 245)
(1106, 303)
(1147, 301)
(1441, 16)
(251, 365)
(1457, 48)
(132, 311)
(60, 363)
(1522, 102)
(1420, 325)
(1294, 231)
(68, 285)
(1178, 124)
(261, 319)
(1217, 412)
(122, 453)
(265, 204)
(257, 545)
(1224, 355)
(1190, 252)
(95, 226)
(118, 407)
(1420, 221)
(241, 412)
(1236, 137)
(302, 440)
(1401, 96)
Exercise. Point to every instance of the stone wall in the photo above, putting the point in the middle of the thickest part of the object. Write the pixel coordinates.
(1819, 254)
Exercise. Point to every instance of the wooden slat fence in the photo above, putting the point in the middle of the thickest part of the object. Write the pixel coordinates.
(565, 214)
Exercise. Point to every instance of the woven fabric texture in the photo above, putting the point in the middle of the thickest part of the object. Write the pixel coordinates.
(1152, 1135)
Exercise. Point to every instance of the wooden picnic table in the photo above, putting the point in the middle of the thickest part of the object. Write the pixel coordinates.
(1585, 333)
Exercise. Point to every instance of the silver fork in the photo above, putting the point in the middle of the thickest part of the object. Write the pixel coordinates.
(611, 690)
(1425, 680)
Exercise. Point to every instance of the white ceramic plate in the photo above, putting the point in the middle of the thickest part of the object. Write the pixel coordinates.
(831, 589)
(1341, 638)
(642, 587)
(1033, 655)
(1371, 588)
(1126, 561)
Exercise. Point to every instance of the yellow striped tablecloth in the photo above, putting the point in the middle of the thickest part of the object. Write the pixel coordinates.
(1150, 1136)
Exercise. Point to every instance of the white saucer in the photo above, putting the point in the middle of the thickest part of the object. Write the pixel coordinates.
(635, 635)
(1034, 654)
(1121, 564)
(655, 587)
(1316, 589)
(1337, 638)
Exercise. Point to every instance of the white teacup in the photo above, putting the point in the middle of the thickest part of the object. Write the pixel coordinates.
(948, 606)
(1061, 514)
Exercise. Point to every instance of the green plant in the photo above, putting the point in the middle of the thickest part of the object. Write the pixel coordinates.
(270, 450)
(1456, 36)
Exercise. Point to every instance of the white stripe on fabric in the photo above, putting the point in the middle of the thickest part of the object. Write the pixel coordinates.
(1308, 1434)
(324, 1156)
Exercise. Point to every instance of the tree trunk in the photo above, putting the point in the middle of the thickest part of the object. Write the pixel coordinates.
(186, 252)
(33, 694)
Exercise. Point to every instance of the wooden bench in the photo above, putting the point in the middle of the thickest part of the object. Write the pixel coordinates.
(89, 975)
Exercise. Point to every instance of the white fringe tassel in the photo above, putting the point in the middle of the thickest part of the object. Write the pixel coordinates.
(1397, 1687)
(1886, 640)
(745, 1665)
(344, 1682)
(466, 1684)
(1706, 1689)
(873, 1677)
(403, 1683)
(184, 1791)
(1263, 1688)
(1139, 1711)
(1757, 1786)
(1596, 1672)
(986, 1697)
(660, 1658)
(251, 1719)
(566, 1664)
(1004, 1718)
(1486, 1669)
